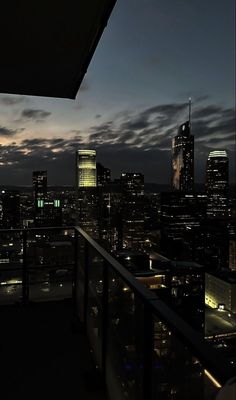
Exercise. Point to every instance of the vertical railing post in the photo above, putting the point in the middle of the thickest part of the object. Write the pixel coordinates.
(25, 277)
(75, 273)
(148, 353)
(86, 282)
(104, 318)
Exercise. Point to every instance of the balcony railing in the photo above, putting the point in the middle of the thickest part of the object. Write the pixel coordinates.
(141, 347)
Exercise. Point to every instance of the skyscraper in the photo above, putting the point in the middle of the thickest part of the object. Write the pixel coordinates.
(181, 213)
(86, 168)
(217, 172)
(39, 185)
(132, 188)
(9, 209)
(86, 191)
(183, 158)
(103, 175)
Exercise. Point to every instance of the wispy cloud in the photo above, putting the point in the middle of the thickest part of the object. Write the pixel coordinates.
(37, 115)
(4, 131)
(129, 141)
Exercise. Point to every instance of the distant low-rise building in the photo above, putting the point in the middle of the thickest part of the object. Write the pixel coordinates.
(220, 290)
(48, 213)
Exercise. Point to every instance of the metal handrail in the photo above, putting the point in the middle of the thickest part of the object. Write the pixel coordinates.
(208, 356)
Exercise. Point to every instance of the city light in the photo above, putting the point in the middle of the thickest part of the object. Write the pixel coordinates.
(212, 379)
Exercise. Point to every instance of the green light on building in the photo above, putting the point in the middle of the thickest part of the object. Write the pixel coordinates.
(57, 203)
(40, 203)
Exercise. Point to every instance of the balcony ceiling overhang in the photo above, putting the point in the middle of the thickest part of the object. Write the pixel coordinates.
(46, 46)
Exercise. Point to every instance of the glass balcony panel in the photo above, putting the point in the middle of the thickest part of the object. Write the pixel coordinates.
(12, 292)
(94, 307)
(50, 247)
(11, 262)
(80, 281)
(50, 283)
(176, 373)
(124, 362)
(50, 264)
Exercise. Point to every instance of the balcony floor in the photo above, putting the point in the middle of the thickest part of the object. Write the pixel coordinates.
(43, 356)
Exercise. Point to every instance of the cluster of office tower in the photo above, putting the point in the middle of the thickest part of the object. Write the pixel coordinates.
(187, 227)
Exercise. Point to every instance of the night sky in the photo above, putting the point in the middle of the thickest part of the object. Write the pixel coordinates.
(152, 56)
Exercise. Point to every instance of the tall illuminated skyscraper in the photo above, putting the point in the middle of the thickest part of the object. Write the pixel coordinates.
(86, 188)
(86, 168)
(183, 158)
(217, 177)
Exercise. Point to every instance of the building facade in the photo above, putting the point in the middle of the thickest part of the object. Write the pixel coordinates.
(180, 212)
(39, 185)
(48, 213)
(103, 175)
(183, 159)
(86, 191)
(132, 210)
(9, 209)
(217, 183)
(86, 175)
(220, 291)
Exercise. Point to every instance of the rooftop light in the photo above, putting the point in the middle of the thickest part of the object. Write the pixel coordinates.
(217, 153)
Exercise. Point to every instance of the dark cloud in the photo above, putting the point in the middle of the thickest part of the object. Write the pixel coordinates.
(136, 123)
(9, 132)
(155, 126)
(158, 117)
(37, 115)
(207, 112)
(103, 133)
(221, 125)
(131, 141)
(57, 141)
(33, 142)
(170, 110)
(217, 141)
(151, 131)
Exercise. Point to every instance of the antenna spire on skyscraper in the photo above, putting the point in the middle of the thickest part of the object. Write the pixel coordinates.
(189, 110)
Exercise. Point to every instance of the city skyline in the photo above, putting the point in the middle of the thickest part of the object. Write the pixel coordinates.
(133, 98)
(118, 208)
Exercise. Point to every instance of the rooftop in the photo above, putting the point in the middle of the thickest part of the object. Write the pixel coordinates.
(217, 153)
(226, 275)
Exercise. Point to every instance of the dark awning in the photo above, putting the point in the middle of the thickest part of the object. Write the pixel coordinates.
(46, 45)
